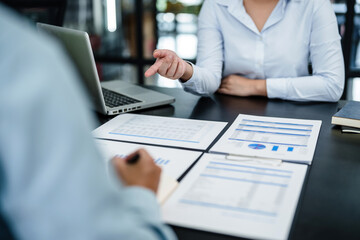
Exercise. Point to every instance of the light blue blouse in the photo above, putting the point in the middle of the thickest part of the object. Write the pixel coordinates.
(296, 33)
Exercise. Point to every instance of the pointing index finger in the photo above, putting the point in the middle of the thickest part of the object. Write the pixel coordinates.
(154, 68)
(158, 53)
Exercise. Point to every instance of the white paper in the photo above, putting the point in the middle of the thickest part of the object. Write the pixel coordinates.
(281, 138)
(174, 162)
(179, 132)
(237, 198)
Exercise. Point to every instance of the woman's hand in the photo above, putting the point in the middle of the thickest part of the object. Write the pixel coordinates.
(169, 65)
(241, 86)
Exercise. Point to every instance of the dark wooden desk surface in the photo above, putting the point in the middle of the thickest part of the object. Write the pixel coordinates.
(329, 206)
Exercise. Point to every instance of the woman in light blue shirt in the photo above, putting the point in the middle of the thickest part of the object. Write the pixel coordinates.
(262, 47)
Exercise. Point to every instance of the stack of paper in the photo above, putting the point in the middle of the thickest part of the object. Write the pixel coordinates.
(186, 133)
(245, 189)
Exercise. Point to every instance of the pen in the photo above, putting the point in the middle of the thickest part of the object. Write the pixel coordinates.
(134, 159)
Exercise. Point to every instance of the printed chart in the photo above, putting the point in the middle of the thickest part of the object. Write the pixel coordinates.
(174, 162)
(237, 198)
(281, 138)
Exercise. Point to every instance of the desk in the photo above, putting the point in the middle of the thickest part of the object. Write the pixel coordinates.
(329, 206)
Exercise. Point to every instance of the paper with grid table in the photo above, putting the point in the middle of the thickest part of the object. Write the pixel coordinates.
(165, 131)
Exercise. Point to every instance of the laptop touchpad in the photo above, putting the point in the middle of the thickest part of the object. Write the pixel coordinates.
(134, 90)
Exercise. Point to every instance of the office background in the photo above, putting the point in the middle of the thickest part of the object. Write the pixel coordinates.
(124, 33)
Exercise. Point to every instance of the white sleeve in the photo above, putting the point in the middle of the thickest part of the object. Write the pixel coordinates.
(327, 81)
(206, 78)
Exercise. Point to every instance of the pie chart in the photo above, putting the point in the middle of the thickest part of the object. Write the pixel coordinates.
(257, 146)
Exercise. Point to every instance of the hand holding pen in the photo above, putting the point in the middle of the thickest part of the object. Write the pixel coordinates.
(138, 169)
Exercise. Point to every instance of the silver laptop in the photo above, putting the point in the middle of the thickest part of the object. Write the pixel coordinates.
(109, 97)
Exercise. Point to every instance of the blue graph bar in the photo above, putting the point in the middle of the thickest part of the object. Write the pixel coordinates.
(283, 128)
(282, 123)
(278, 133)
(290, 149)
(275, 148)
(160, 161)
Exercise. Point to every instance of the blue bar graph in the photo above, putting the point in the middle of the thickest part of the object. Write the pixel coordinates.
(161, 161)
(290, 149)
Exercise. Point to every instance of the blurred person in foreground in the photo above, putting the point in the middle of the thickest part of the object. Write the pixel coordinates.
(53, 179)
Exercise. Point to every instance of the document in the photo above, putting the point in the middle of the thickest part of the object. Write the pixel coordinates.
(237, 198)
(174, 162)
(268, 137)
(167, 131)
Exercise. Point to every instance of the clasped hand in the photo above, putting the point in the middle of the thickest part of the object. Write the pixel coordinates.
(242, 86)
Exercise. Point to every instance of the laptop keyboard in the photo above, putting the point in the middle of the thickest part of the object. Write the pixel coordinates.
(114, 99)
